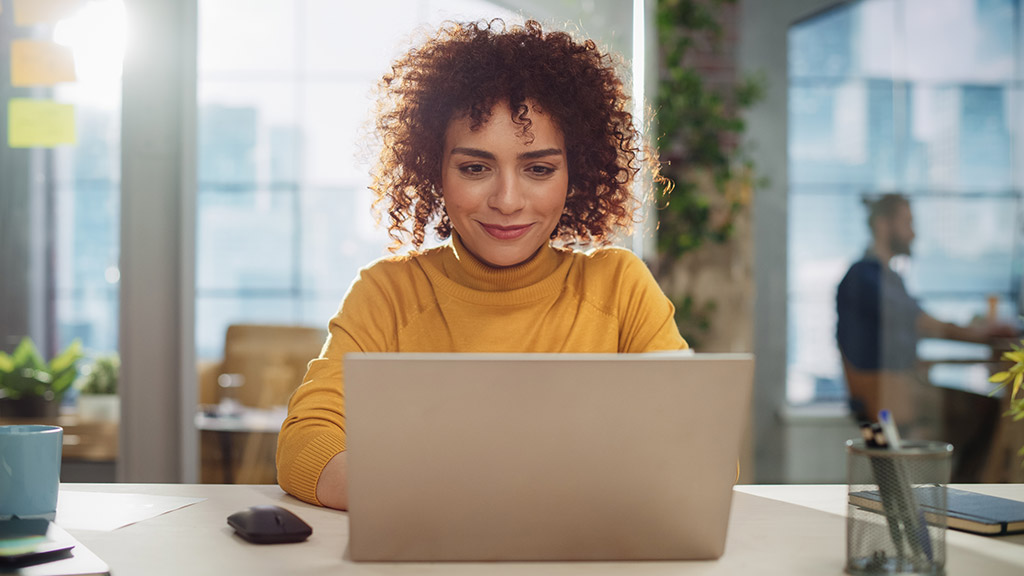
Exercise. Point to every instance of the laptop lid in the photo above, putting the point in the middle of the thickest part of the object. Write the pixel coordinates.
(479, 457)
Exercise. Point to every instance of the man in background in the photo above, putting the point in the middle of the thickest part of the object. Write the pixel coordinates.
(879, 326)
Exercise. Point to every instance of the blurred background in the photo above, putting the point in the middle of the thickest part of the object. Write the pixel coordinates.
(183, 194)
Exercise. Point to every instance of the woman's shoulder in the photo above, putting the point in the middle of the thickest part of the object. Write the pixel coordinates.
(605, 274)
(389, 277)
(398, 266)
(609, 260)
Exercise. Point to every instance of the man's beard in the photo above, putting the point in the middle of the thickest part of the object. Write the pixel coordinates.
(899, 247)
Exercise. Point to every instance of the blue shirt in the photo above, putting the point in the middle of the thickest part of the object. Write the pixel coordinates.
(877, 318)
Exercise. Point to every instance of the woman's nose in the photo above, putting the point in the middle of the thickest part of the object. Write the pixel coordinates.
(507, 196)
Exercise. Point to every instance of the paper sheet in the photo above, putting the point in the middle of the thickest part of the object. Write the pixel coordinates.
(39, 123)
(106, 511)
(39, 63)
(30, 12)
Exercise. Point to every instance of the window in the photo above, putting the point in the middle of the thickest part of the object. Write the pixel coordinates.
(283, 211)
(908, 96)
(61, 203)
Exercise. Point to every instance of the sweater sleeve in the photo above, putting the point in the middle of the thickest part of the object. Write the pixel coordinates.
(314, 429)
(646, 316)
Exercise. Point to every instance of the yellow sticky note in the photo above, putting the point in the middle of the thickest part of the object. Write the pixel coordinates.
(39, 63)
(39, 123)
(29, 12)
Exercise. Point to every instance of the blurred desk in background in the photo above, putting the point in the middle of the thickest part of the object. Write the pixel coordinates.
(967, 366)
(223, 432)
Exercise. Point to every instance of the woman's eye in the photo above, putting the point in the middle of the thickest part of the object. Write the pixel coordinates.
(473, 169)
(540, 170)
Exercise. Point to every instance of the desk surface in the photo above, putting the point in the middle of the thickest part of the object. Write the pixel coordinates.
(789, 530)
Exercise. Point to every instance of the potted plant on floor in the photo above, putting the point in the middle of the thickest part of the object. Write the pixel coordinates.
(97, 390)
(30, 387)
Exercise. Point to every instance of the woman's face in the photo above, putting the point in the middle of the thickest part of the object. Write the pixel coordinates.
(503, 192)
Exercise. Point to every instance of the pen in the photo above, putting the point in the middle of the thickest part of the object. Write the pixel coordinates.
(892, 434)
(914, 526)
(882, 469)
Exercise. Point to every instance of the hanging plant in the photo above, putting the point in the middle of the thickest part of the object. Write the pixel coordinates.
(700, 130)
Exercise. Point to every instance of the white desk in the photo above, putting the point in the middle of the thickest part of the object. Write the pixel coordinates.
(785, 530)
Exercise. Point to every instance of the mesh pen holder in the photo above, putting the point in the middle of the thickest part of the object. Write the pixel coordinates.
(895, 521)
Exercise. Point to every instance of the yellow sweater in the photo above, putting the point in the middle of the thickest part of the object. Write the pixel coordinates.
(445, 300)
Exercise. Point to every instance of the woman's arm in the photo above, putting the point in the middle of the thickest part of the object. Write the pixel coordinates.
(311, 446)
(332, 486)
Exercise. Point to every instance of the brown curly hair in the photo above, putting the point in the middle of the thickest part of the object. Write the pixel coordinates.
(466, 68)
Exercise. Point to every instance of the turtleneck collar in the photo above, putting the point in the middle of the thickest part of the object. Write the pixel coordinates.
(464, 268)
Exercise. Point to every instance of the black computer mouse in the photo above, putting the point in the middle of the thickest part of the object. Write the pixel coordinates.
(269, 525)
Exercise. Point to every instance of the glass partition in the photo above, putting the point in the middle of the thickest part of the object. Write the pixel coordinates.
(913, 97)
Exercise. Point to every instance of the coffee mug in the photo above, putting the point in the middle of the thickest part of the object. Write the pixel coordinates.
(29, 470)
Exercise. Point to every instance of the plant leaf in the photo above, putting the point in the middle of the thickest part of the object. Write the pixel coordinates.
(71, 355)
(999, 377)
(26, 355)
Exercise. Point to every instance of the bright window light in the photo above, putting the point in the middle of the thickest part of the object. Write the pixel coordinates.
(96, 35)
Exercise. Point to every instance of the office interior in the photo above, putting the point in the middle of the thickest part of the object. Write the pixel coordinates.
(215, 180)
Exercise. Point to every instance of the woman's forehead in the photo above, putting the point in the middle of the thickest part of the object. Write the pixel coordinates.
(529, 123)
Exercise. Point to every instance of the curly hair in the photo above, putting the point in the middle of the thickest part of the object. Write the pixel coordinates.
(467, 68)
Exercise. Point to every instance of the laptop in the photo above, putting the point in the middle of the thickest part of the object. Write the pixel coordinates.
(530, 457)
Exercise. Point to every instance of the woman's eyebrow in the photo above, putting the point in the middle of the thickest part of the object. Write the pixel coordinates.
(531, 155)
(534, 154)
(475, 152)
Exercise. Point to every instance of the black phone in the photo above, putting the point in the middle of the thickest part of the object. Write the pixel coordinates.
(24, 542)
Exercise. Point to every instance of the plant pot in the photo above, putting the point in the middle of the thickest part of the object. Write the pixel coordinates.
(99, 407)
(29, 407)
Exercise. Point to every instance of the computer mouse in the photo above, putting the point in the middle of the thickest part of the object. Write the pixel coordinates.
(269, 525)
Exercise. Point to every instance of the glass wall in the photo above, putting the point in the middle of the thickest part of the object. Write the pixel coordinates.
(922, 98)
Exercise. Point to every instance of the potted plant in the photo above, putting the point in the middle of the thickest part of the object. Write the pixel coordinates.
(1012, 378)
(97, 390)
(30, 387)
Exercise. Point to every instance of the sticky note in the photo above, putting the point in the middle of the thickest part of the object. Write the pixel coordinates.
(29, 12)
(39, 123)
(39, 63)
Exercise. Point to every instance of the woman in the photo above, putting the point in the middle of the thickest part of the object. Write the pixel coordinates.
(512, 143)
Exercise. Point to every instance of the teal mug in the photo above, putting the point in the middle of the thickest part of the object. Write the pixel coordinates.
(29, 470)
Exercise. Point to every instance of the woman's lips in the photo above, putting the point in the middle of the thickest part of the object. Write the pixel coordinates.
(505, 232)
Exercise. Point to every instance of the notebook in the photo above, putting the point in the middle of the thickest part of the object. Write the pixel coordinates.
(966, 511)
(471, 457)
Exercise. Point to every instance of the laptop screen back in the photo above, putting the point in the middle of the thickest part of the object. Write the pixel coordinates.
(473, 457)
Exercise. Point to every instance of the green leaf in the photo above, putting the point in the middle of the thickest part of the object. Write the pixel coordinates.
(27, 356)
(999, 377)
(68, 358)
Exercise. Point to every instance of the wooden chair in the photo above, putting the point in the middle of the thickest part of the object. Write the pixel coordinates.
(268, 361)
